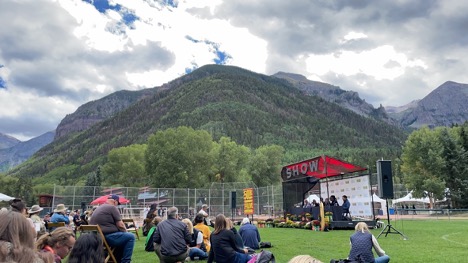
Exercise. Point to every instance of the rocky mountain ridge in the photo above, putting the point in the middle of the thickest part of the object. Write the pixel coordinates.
(444, 106)
(21, 151)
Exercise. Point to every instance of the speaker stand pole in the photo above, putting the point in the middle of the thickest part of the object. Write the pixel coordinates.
(388, 228)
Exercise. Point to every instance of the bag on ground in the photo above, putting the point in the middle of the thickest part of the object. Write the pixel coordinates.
(265, 256)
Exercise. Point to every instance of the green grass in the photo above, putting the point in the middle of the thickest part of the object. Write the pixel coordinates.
(428, 241)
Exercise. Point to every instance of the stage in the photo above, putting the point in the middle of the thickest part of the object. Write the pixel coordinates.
(351, 224)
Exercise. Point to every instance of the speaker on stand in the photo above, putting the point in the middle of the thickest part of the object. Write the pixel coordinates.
(233, 204)
(385, 182)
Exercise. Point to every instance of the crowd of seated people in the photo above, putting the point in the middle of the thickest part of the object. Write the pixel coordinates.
(23, 239)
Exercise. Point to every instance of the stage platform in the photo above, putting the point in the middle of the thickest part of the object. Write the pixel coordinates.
(351, 224)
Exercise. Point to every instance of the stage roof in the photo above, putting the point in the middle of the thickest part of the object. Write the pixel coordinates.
(319, 167)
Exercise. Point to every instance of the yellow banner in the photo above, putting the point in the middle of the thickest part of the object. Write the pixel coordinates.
(248, 201)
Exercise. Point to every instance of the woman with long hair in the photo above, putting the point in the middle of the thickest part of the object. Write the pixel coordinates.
(362, 242)
(223, 244)
(17, 240)
(59, 243)
(196, 247)
(239, 240)
(88, 248)
(147, 223)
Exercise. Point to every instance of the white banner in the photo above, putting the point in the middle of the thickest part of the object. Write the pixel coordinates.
(357, 189)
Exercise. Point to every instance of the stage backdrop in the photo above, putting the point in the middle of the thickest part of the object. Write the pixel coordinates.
(356, 188)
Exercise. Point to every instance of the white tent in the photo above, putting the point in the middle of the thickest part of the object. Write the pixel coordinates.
(409, 198)
(312, 197)
(4, 197)
(383, 203)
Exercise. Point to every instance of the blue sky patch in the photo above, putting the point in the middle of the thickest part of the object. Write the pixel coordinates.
(171, 3)
(221, 56)
(2, 83)
(128, 17)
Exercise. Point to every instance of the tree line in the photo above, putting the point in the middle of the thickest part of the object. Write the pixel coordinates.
(435, 164)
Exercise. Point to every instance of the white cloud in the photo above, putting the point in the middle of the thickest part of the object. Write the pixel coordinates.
(64, 53)
(372, 62)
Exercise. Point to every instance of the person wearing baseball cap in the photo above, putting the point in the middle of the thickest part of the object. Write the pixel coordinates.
(108, 217)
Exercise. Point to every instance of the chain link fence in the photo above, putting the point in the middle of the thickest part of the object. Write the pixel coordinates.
(225, 198)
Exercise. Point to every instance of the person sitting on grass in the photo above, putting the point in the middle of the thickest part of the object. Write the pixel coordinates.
(362, 242)
(223, 244)
(200, 225)
(249, 234)
(196, 247)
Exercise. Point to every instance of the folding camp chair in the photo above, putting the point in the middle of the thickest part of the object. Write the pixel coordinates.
(96, 229)
(132, 226)
(52, 226)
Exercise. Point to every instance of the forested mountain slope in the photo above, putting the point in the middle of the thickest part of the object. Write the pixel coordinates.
(253, 109)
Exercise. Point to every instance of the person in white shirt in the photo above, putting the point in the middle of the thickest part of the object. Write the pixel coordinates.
(204, 212)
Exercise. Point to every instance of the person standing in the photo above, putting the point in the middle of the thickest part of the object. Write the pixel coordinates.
(362, 242)
(108, 217)
(204, 212)
(249, 234)
(171, 238)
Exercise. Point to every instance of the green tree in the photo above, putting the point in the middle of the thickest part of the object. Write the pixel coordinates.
(126, 166)
(265, 165)
(454, 168)
(422, 164)
(8, 184)
(92, 185)
(179, 158)
(229, 160)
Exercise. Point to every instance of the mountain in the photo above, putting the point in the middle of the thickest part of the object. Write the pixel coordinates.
(444, 106)
(253, 109)
(397, 109)
(20, 152)
(7, 141)
(346, 99)
(96, 111)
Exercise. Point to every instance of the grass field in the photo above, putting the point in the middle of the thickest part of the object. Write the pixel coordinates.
(428, 241)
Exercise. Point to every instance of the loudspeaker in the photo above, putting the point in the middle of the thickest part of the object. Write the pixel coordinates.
(233, 200)
(83, 207)
(384, 178)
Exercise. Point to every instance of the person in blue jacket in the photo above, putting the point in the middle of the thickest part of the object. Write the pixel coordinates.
(249, 234)
(59, 215)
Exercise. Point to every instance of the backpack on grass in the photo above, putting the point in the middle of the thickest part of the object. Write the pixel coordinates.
(263, 256)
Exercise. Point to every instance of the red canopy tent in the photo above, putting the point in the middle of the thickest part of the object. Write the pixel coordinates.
(319, 167)
(101, 200)
(299, 178)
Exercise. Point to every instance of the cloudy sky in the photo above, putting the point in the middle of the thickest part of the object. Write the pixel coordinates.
(56, 55)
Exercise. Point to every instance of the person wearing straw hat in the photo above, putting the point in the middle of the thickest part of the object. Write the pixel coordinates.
(59, 215)
(38, 223)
